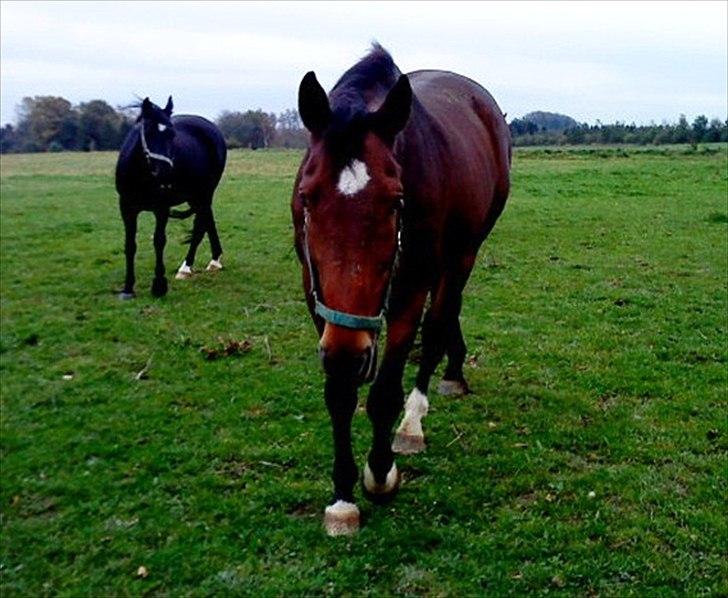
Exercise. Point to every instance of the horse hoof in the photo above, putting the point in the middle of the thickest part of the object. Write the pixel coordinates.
(214, 266)
(159, 287)
(341, 519)
(381, 493)
(124, 296)
(453, 388)
(408, 444)
(184, 272)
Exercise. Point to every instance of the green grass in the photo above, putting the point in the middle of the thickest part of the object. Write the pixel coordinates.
(596, 323)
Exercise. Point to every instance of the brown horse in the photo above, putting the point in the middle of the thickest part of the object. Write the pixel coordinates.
(404, 178)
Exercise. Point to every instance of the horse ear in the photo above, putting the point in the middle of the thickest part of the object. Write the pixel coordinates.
(393, 114)
(313, 105)
(146, 107)
(168, 108)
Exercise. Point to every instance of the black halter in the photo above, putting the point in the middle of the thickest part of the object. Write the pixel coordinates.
(342, 318)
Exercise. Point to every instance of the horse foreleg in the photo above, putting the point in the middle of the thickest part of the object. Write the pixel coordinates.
(381, 478)
(342, 515)
(159, 284)
(129, 217)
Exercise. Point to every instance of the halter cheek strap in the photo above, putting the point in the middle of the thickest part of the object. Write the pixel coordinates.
(150, 154)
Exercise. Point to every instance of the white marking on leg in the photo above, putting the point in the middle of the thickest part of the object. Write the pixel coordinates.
(389, 484)
(409, 438)
(214, 265)
(341, 518)
(353, 178)
(415, 408)
(184, 271)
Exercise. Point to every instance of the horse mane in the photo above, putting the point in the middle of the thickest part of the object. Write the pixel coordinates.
(372, 77)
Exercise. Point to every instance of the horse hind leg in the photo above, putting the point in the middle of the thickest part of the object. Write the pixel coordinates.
(453, 382)
(199, 227)
(440, 334)
(215, 246)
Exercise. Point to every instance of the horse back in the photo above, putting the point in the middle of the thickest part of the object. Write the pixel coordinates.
(199, 145)
(458, 152)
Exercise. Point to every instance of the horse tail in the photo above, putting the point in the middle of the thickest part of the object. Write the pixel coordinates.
(181, 214)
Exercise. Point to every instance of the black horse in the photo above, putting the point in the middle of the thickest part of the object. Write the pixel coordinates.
(165, 161)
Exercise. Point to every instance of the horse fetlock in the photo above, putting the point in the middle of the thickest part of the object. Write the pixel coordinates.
(341, 518)
(416, 404)
(390, 484)
(159, 286)
(409, 438)
(184, 272)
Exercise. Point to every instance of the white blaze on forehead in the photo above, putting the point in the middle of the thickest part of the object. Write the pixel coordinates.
(353, 178)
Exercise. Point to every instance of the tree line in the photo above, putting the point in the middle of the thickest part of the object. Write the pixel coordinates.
(51, 123)
(544, 128)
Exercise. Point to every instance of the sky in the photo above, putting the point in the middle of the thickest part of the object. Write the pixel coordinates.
(609, 61)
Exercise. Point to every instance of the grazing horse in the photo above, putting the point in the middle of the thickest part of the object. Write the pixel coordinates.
(165, 161)
(404, 177)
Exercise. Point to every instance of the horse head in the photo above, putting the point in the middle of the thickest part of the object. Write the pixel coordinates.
(350, 193)
(156, 133)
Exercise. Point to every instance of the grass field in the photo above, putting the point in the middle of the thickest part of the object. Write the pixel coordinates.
(590, 460)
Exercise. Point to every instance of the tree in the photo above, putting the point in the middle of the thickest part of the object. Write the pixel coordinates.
(8, 139)
(700, 129)
(100, 126)
(290, 131)
(48, 120)
(681, 133)
(254, 128)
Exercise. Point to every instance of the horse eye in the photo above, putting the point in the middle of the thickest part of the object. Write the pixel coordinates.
(161, 128)
(304, 198)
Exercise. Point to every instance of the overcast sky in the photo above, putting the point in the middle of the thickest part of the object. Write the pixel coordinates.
(610, 61)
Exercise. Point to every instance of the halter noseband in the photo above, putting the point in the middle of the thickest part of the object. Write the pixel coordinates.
(342, 318)
(150, 155)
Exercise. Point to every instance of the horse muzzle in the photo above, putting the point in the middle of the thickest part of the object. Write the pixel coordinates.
(349, 354)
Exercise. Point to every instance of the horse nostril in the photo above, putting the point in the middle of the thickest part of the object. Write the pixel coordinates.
(366, 360)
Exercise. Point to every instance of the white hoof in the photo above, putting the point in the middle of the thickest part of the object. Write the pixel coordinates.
(452, 388)
(214, 266)
(390, 483)
(341, 518)
(408, 444)
(184, 272)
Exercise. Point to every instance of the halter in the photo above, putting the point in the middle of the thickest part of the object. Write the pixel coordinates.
(150, 155)
(342, 318)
